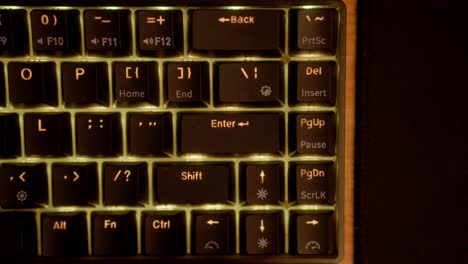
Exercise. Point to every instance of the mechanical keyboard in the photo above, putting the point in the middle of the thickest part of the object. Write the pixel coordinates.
(172, 130)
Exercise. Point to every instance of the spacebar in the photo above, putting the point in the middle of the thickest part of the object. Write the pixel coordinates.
(228, 133)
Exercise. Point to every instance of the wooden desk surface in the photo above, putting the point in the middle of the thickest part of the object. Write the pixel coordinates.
(349, 130)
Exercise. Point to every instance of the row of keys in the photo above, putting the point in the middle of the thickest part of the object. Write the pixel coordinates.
(76, 184)
(164, 233)
(150, 134)
(159, 32)
(185, 83)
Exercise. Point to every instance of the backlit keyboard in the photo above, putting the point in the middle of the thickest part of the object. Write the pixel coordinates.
(172, 131)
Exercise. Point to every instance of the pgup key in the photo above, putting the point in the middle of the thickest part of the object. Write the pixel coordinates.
(55, 31)
(315, 133)
(107, 31)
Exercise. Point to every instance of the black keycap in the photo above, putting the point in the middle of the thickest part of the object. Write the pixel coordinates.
(9, 135)
(32, 83)
(315, 29)
(2, 86)
(237, 30)
(262, 234)
(208, 183)
(64, 234)
(312, 234)
(314, 183)
(213, 233)
(107, 31)
(19, 234)
(85, 83)
(135, 82)
(231, 133)
(160, 32)
(163, 233)
(315, 133)
(98, 134)
(250, 82)
(13, 32)
(149, 134)
(23, 186)
(263, 183)
(114, 234)
(55, 31)
(47, 134)
(187, 83)
(125, 183)
(315, 82)
(74, 184)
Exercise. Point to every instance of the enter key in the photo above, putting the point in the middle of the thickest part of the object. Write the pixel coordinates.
(236, 133)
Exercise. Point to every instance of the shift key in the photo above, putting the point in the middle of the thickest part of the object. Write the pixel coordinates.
(231, 133)
(236, 30)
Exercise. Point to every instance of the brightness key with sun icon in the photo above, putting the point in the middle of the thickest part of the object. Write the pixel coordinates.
(262, 233)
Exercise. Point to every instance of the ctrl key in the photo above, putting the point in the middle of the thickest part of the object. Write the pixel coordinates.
(114, 234)
(164, 233)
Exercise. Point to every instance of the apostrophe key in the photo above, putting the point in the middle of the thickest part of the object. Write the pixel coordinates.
(23, 185)
(85, 83)
(250, 82)
(47, 134)
(315, 29)
(114, 233)
(32, 83)
(315, 82)
(159, 32)
(9, 135)
(315, 133)
(232, 31)
(313, 183)
(163, 233)
(55, 31)
(74, 184)
(149, 134)
(262, 233)
(107, 32)
(13, 32)
(263, 183)
(312, 233)
(213, 233)
(187, 83)
(64, 234)
(136, 82)
(196, 184)
(98, 134)
(231, 133)
(125, 183)
(19, 234)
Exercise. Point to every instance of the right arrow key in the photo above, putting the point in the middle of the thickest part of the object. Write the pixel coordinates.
(312, 234)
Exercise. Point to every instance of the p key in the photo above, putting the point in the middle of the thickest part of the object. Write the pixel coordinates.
(55, 31)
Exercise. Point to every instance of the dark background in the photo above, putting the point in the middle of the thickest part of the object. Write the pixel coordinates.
(412, 132)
